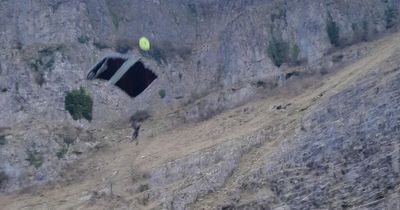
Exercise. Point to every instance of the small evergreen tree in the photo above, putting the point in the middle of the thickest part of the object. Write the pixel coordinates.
(79, 104)
(333, 31)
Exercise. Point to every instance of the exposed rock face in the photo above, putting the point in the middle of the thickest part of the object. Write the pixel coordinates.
(212, 50)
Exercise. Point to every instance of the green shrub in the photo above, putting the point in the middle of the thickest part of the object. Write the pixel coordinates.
(162, 93)
(79, 104)
(278, 51)
(35, 158)
(3, 140)
(333, 31)
(62, 151)
(391, 14)
(83, 39)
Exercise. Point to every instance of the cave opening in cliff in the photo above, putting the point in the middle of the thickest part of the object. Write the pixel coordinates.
(137, 79)
(131, 76)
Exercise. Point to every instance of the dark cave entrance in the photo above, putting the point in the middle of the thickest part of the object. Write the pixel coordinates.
(133, 82)
(136, 80)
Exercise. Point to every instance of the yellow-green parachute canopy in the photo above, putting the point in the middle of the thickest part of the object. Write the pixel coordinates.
(144, 44)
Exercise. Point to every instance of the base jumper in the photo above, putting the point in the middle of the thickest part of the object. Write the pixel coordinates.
(136, 127)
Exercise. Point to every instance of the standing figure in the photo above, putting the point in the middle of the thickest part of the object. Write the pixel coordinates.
(136, 121)
(136, 127)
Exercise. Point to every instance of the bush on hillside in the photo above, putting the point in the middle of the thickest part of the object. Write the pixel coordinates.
(79, 104)
(333, 31)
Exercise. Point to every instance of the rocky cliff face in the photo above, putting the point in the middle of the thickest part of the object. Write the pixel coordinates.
(215, 51)
(335, 146)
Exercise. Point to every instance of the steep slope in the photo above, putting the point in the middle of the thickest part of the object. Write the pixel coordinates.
(334, 145)
(208, 55)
